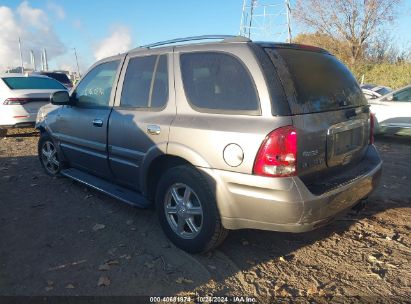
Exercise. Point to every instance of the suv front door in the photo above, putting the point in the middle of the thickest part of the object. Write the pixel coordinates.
(82, 128)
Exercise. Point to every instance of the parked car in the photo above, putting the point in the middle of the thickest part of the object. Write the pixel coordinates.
(59, 76)
(372, 91)
(21, 97)
(218, 135)
(393, 111)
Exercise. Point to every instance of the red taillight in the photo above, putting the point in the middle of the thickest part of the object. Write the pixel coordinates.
(372, 122)
(278, 154)
(15, 101)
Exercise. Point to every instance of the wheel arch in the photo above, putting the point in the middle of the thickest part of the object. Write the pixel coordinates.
(157, 163)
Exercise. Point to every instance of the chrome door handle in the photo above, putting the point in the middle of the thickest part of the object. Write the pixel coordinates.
(97, 123)
(153, 129)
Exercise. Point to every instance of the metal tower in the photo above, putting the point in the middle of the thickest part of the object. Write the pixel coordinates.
(266, 20)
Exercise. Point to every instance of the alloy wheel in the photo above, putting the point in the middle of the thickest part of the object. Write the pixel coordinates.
(49, 158)
(183, 211)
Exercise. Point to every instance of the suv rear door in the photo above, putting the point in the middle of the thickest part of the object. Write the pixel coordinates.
(141, 118)
(328, 109)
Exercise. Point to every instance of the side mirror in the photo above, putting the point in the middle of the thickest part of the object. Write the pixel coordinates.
(60, 98)
(390, 98)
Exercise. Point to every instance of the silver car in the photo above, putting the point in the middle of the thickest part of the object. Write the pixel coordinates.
(218, 136)
(372, 91)
(21, 97)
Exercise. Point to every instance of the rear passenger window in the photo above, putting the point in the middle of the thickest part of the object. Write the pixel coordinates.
(218, 82)
(145, 83)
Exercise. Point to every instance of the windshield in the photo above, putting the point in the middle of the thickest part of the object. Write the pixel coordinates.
(321, 82)
(383, 91)
(32, 83)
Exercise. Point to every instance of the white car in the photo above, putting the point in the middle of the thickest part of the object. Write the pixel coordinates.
(393, 111)
(372, 91)
(21, 97)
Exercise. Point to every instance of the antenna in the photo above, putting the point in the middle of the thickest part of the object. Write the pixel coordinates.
(266, 20)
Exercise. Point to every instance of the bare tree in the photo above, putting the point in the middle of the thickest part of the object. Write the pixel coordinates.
(380, 48)
(353, 21)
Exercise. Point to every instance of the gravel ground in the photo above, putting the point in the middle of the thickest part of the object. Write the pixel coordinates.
(59, 238)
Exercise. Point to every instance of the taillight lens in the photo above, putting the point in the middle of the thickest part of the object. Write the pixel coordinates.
(372, 126)
(277, 156)
(15, 101)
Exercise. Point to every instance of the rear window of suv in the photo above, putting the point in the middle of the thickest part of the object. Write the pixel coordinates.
(321, 82)
(218, 83)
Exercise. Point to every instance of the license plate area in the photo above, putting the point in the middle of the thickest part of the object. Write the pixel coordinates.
(345, 141)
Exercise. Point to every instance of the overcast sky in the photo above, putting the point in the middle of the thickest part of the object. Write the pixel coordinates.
(101, 28)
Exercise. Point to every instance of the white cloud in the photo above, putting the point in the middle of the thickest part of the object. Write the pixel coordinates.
(32, 16)
(117, 42)
(57, 10)
(33, 27)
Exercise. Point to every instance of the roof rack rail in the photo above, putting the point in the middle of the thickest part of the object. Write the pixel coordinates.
(225, 38)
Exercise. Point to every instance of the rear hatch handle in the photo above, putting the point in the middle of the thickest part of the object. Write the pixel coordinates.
(354, 112)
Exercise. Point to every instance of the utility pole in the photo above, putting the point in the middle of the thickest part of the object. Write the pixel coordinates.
(33, 60)
(78, 69)
(41, 61)
(21, 57)
(46, 64)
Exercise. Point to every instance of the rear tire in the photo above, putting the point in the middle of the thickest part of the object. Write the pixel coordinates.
(187, 210)
(48, 155)
(3, 133)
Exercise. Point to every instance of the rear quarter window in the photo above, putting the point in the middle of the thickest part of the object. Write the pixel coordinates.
(321, 81)
(218, 83)
(145, 83)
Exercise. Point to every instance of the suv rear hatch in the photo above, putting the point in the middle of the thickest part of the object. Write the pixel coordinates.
(329, 111)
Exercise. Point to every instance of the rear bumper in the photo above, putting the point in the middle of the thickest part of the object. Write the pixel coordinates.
(286, 204)
(29, 124)
(25, 120)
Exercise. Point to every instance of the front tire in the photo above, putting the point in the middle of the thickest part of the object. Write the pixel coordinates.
(187, 210)
(48, 155)
(3, 133)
